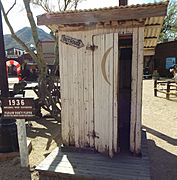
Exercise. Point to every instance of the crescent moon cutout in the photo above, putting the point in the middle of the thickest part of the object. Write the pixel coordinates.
(103, 65)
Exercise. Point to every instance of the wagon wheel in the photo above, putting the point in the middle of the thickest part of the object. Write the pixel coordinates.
(50, 96)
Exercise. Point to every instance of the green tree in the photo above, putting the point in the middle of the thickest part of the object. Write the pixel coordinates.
(169, 29)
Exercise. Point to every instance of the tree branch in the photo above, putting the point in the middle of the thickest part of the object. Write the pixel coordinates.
(11, 7)
(15, 36)
(35, 37)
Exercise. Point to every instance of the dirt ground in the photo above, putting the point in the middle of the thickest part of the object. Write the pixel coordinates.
(159, 120)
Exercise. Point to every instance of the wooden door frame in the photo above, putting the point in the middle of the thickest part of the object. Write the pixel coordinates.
(126, 46)
(137, 79)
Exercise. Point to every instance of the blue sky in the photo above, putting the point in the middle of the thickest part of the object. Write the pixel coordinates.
(19, 20)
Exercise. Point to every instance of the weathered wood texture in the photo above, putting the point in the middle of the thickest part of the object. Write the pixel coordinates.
(76, 92)
(104, 92)
(136, 96)
(89, 102)
(86, 166)
(139, 90)
(22, 140)
(89, 89)
(102, 15)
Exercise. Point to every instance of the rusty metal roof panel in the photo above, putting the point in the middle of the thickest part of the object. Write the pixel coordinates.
(116, 13)
(154, 20)
(112, 7)
(152, 30)
(150, 43)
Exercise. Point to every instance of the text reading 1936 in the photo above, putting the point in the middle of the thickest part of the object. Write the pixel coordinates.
(19, 108)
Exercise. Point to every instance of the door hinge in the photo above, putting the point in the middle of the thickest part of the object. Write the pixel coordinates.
(91, 47)
(93, 134)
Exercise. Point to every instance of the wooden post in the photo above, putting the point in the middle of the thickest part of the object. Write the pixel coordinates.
(22, 140)
(168, 90)
(134, 89)
(139, 91)
(155, 87)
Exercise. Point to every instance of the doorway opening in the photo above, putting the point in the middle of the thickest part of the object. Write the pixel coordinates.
(124, 89)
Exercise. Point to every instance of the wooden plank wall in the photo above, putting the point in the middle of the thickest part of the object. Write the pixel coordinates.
(76, 92)
(136, 96)
(89, 103)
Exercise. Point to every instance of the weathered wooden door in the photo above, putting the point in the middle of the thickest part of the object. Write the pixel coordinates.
(105, 92)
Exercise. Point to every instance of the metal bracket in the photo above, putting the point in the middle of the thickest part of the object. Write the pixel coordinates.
(91, 47)
(93, 134)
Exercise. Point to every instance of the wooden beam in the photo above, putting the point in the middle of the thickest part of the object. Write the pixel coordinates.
(134, 89)
(100, 25)
(102, 15)
(139, 92)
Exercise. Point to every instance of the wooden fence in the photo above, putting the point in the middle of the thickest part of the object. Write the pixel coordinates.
(168, 87)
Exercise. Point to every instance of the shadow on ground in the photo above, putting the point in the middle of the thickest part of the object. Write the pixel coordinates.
(11, 169)
(163, 164)
(51, 130)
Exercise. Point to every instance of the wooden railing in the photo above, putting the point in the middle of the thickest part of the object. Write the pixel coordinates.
(168, 87)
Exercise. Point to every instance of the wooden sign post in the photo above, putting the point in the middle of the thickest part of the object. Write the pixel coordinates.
(19, 109)
(22, 140)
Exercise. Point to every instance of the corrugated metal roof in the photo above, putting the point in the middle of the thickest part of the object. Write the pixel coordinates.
(106, 14)
(154, 20)
(110, 8)
(152, 13)
(153, 27)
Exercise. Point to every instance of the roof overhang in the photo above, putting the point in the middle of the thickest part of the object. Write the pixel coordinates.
(153, 26)
(152, 16)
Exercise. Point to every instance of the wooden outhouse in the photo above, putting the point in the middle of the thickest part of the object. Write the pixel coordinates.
(101, 68)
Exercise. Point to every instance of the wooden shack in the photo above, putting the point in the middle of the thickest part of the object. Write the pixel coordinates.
(101, 68)
(165, 57)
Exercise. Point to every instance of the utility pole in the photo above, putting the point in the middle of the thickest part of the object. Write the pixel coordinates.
(4, 90)
(8, 129)
(123, 2)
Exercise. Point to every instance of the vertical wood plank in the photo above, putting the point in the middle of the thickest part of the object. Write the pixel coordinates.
(139, 90)
(85, 93)
(70, 59)
(110, 122)
(64, 92)
(88, 90)
(80, 93)
(103, 94)
(134, 90)
(115, 92)
(91, 90)
(22, 140)
(76, 97)
(97, 125)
